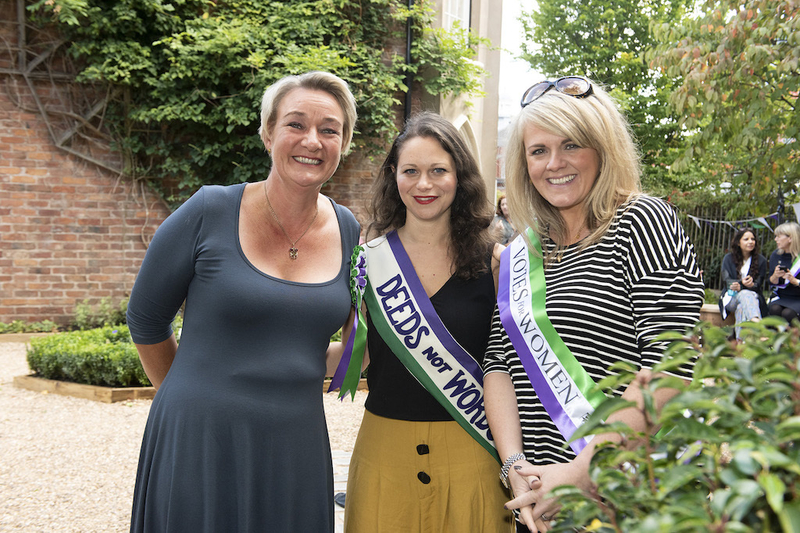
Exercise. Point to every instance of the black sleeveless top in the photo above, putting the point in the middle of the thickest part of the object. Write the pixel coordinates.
(465, 307)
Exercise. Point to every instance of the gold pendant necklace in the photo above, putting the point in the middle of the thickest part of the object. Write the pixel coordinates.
(293, 249)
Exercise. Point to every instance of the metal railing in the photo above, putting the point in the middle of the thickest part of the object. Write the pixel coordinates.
(712, 235)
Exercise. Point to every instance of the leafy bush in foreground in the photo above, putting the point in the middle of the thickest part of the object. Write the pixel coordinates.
(103, 356)
(729, 458)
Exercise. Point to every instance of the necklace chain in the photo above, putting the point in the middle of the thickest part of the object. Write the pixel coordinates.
(293, 250)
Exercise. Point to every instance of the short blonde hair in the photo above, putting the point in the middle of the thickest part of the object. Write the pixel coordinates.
(317, 81)
(593, 122)
(792, 229)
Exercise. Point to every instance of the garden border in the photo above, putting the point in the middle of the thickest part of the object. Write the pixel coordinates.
(104, 394)
(88, 392)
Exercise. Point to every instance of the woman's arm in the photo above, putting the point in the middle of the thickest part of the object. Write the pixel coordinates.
(157, 359)
(775, 274)
(500, 402)
(496, 252)
(729, 273)
(576, 472)
(758, 280)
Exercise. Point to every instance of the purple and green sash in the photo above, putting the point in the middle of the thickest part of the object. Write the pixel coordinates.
(406, 320)
(794, 270)
(564, 387)
(348, 373)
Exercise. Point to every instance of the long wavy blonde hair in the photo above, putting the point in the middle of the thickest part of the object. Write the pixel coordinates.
(594, 122)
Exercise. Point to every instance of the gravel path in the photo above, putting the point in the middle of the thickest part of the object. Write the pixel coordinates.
(68, 465)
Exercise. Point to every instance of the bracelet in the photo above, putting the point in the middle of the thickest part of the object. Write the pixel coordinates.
(507, 466)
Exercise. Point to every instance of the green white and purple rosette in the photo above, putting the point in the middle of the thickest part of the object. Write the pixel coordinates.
(348, 373)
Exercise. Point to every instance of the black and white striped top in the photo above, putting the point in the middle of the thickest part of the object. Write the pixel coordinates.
(607, 302)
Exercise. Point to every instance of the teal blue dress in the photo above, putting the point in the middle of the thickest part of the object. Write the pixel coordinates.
(236, 438)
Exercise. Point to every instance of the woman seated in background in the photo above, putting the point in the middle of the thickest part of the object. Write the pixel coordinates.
(785, 267)
(743, 271)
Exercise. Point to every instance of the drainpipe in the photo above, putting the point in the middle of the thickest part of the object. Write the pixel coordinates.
(22, 61)
(409, 75)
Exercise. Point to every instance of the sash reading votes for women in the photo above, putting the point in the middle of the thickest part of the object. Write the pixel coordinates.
(565, 389)
(407, 322)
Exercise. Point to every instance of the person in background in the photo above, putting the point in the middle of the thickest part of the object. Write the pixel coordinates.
(236, 439)
(423, 460)
(602, 271)
(743, 272)
(784, 266)
(501, 225)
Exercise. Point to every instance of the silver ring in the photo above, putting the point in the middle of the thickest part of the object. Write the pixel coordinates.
(545, 518)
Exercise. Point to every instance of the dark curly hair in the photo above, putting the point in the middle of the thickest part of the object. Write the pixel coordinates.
(471, 211)
(738, 256)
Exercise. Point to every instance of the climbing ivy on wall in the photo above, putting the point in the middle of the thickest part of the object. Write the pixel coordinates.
(188, 75)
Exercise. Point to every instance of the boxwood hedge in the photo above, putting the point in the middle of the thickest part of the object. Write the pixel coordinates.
(103, 356)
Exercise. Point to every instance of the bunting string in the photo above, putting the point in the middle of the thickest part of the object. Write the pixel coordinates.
(735, 224)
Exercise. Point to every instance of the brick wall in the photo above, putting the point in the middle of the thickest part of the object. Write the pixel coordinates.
(71, 231)
(68, 231)
(351, 184)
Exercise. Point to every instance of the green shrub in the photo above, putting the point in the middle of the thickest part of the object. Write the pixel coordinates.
(104, 313)
(18, 326)
(103, 356)
(730, 459)
(711, 297)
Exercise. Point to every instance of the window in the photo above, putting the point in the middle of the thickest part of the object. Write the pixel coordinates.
(456, 11)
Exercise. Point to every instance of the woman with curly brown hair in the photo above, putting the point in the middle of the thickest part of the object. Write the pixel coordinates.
(743, 271)
(424, 459)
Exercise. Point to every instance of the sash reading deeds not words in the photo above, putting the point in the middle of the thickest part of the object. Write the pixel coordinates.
(406, 320)
(565, 389)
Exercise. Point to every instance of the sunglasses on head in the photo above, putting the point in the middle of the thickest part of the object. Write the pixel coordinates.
(570, 85)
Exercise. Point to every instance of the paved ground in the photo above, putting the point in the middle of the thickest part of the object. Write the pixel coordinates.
(68, 465)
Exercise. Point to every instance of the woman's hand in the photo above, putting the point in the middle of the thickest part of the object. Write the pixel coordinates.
(776, 275)
(536, 510)
(735, 286)
(748, 282)
(521, 490)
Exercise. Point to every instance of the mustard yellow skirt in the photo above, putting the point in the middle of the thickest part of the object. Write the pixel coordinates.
(422, 477)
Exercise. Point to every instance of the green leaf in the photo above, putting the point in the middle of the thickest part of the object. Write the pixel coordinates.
(677, 477)
(595, 423)
(774, 488)
(789, 430)
(744, 462)
(790, 518)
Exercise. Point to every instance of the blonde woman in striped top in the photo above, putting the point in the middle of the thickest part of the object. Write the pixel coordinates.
(616, 270)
